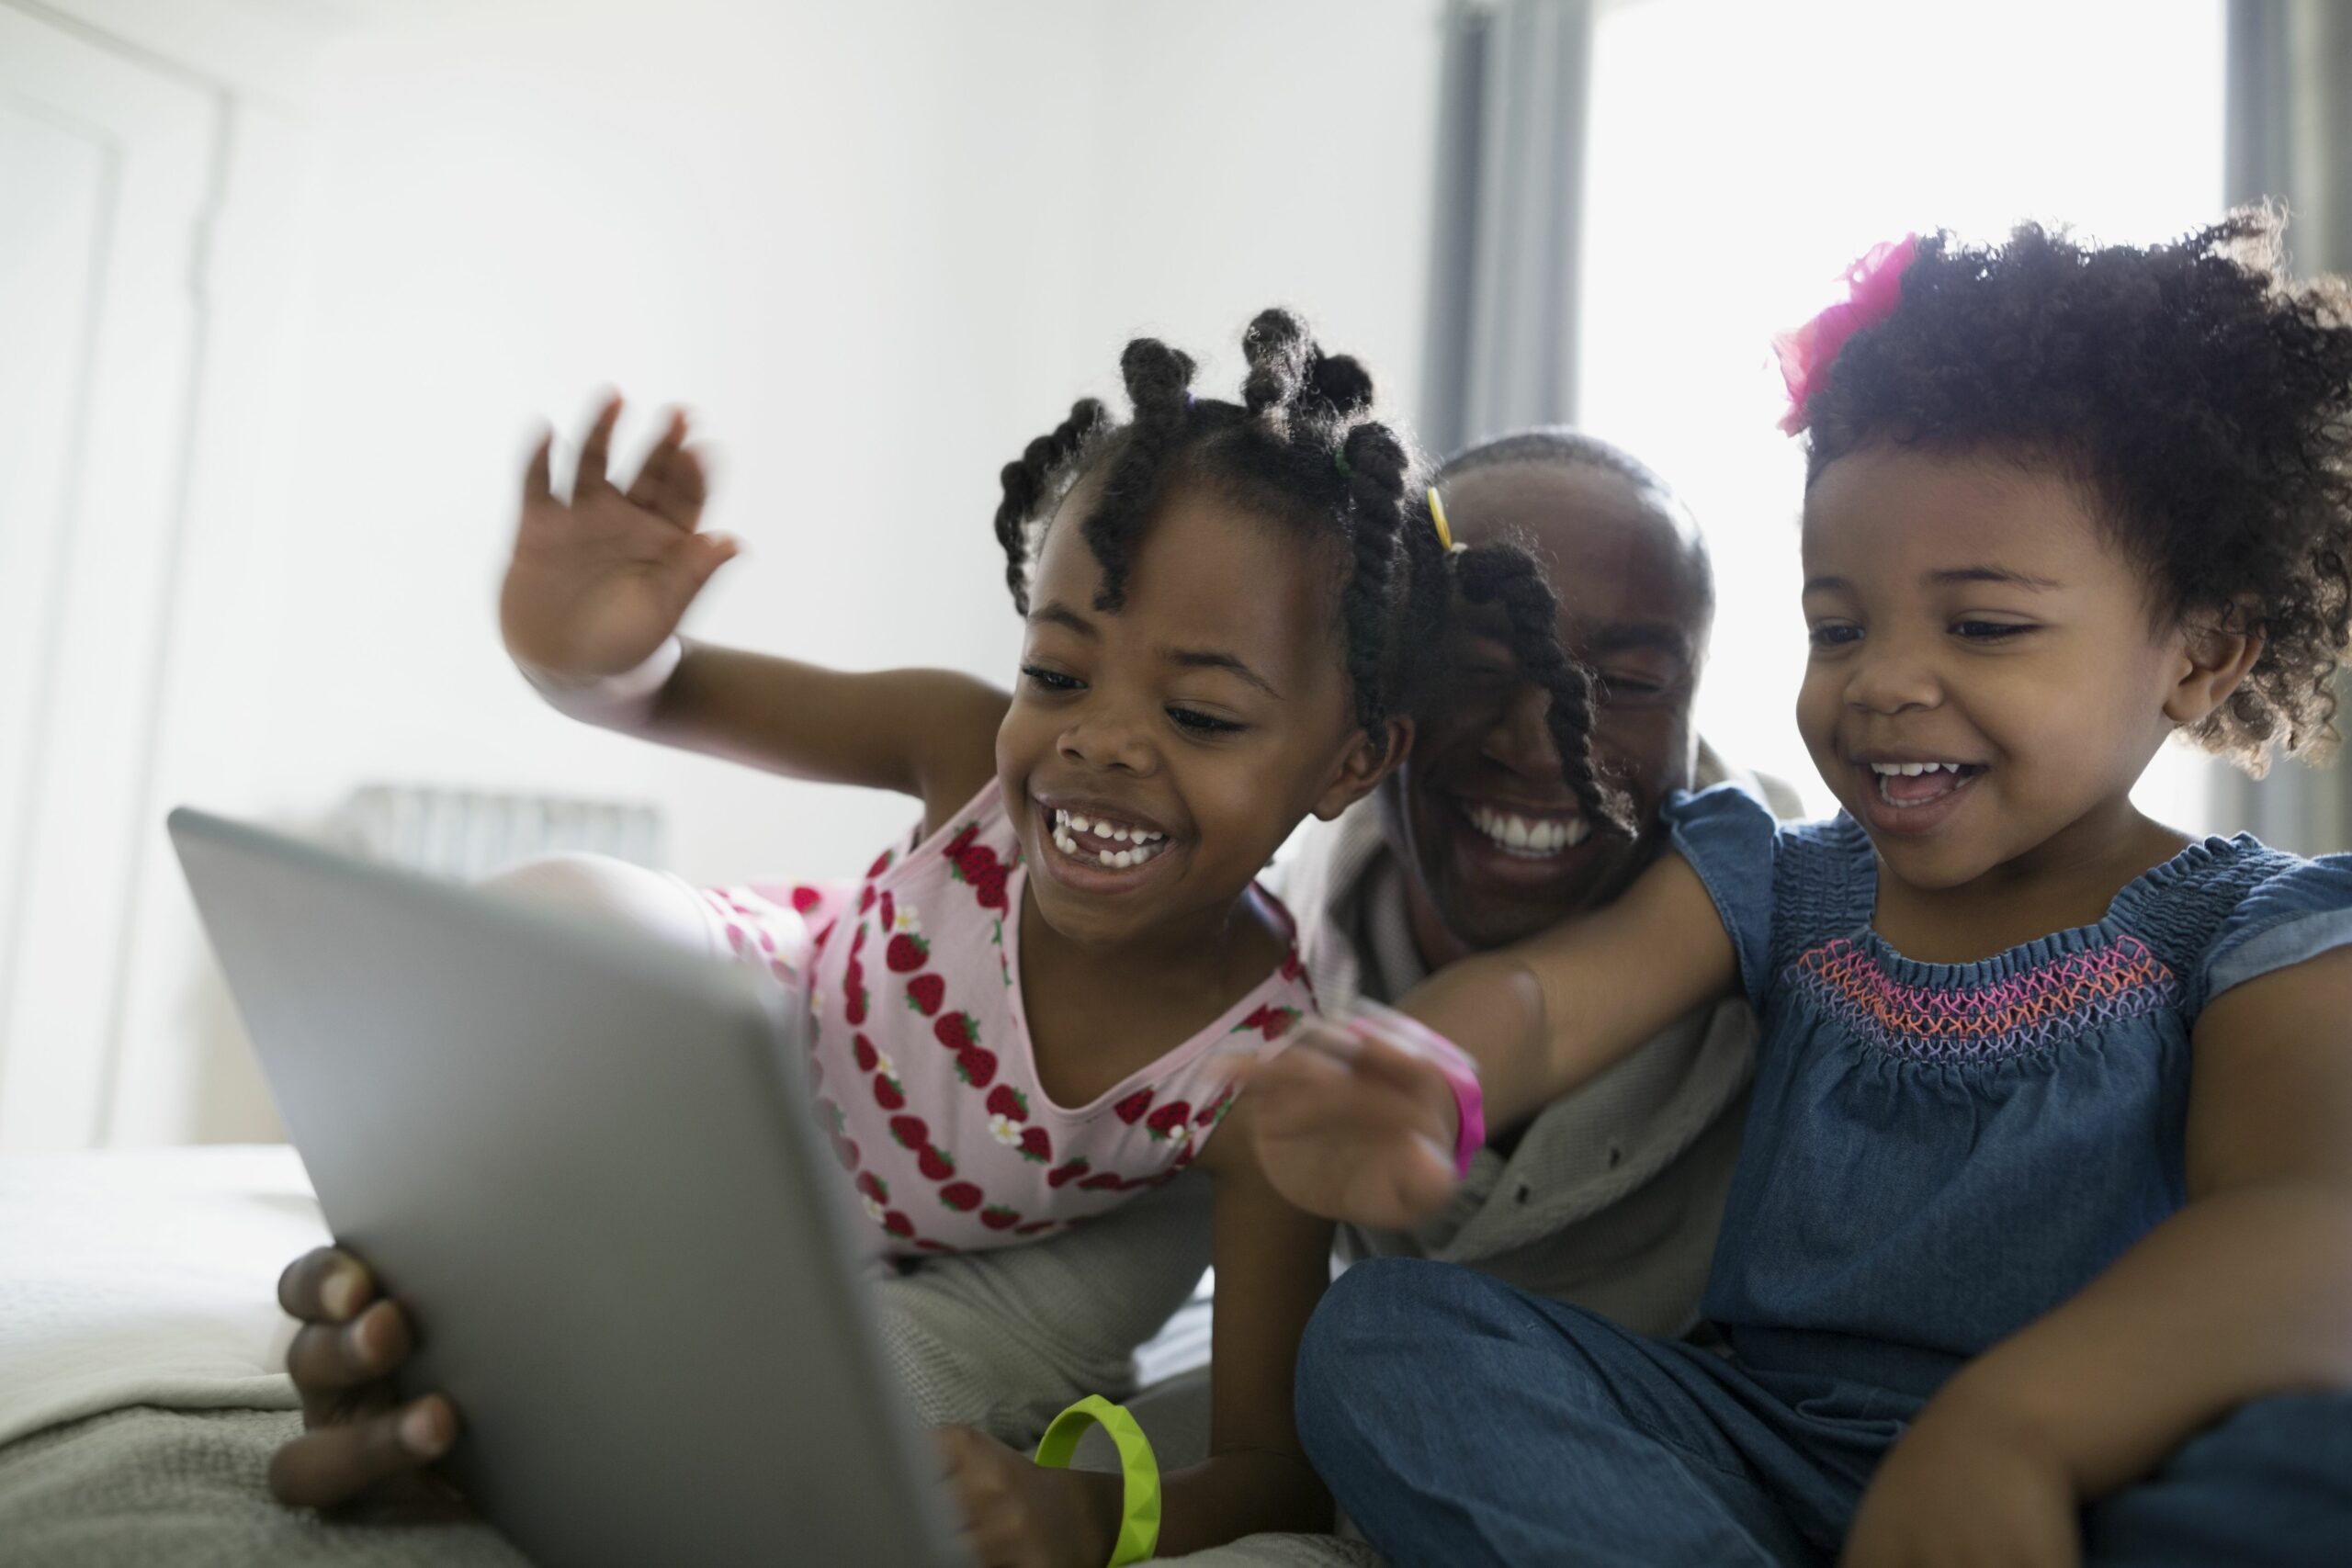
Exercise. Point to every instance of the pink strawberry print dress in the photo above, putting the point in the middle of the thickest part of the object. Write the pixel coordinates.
(920, 1068)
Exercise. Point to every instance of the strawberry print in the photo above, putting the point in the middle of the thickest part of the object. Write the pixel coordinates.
(960, 1196)
(925, 992)
(898, 1225)
(859, 997)
(997, 1217)
(1132, 1107)
(1062, 1174)
(874, 1187)
(888, 1093)
(1212, 1114)
(889, 910)
(975, 1066)
(924, 1243)
(907, 954)
(805, 899)
(989, 886)
(865, 902)
(936, 1163)
(1036, 1145)
(868, 1058)
(1273, 1022)
(958, 1031)
(881, 865)
(1009, 1102)
(845, 1152)
(1292, 966)
(1173, 1120)
(1104, 1181)
(829, 1116)
(1035, 1226)
(911, 1133)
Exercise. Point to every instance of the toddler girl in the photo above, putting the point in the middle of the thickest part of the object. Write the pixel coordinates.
(1020, 1011)
(2042, 1239)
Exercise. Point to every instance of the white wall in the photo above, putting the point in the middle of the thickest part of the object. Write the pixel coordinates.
(877, 246)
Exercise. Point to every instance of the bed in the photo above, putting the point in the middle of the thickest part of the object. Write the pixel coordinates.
(142, 1384)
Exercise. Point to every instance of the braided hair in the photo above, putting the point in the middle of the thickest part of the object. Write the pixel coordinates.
(1301, 448)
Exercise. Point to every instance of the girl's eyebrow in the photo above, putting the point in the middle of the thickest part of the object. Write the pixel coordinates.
(1991, 574)
(1055, 613)
(1209, 658)
(1949, 575)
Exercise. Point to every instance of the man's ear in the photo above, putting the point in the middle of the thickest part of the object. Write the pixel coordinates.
(2213, 662)
(1372, 758)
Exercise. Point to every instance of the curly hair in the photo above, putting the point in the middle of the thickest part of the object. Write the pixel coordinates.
(2203, 401)
(1302, 449)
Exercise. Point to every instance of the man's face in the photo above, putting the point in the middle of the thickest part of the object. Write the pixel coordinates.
(1498, 846)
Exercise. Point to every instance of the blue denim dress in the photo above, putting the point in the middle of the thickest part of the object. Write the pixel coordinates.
(1941, 1153)
(1936, 1155)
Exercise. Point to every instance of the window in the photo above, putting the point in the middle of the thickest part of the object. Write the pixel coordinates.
(1741, 155)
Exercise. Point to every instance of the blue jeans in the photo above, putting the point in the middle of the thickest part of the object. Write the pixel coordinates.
(1461, 1422)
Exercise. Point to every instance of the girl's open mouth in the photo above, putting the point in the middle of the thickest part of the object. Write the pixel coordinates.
(1906, 786)
(1102, 841)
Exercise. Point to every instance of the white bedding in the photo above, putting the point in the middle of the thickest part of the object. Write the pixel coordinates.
(147, 1276)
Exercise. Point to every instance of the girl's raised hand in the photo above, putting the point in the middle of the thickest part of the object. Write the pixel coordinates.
(1354, 1126)
(599, 581)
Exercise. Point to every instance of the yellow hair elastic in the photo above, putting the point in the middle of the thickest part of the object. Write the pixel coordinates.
(1139, 1516)
(1437, 516)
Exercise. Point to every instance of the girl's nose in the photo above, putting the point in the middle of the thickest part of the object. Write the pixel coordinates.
(1109, 739)
(1889, 679)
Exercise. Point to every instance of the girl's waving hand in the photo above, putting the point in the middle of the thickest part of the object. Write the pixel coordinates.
(600, 580)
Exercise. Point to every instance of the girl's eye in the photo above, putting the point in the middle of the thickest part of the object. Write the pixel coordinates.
(1832, 634)
(1051, 680)
(1989, 631)
(1201, 722)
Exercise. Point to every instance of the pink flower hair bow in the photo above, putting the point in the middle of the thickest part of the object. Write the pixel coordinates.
(1873, 288)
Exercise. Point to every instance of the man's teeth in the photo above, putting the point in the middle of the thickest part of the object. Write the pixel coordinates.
(1912, 770)
(1539, 835)
(1068, 825)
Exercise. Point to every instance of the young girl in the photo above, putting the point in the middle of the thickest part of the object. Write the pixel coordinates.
(1020, 1011)
(2042, 1240)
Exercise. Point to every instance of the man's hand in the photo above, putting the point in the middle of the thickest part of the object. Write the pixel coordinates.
(1021, 1515)
(1353, 1126)
(359, 1446)
(596, 583)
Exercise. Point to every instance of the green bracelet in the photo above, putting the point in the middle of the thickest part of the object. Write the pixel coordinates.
(1139, 1521)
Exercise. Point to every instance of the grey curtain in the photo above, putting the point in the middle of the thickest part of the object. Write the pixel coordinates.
(2289, 105)
(1503, 300)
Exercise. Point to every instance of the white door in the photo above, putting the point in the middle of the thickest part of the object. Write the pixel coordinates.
(105, 167)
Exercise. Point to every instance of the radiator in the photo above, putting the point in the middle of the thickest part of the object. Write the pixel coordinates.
(467, 834)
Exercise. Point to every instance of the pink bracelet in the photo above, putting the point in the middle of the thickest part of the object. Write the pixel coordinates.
(1460, 1073)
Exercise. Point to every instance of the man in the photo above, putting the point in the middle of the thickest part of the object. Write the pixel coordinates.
(1609, 1198)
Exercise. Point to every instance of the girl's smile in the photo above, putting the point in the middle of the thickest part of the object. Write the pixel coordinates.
(1912, 796)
